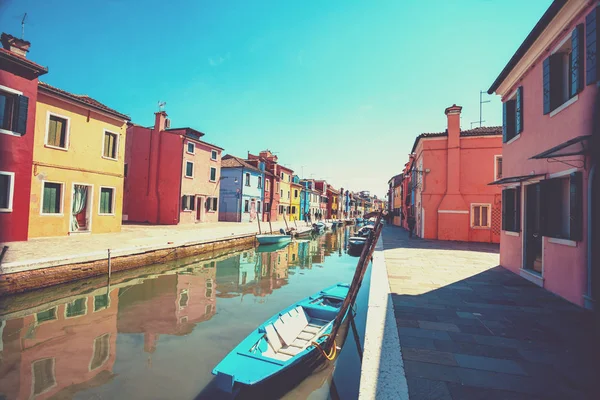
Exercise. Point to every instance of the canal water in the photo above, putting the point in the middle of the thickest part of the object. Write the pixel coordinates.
(157, 332)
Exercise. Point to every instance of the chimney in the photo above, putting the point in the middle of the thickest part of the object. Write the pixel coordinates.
(15, 45)
(160, 121)
(453, 114)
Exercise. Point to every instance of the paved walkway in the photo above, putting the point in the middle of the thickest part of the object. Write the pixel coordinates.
(130, 238)
(469, 329)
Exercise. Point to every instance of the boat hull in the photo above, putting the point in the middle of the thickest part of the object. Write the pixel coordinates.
(273, 239)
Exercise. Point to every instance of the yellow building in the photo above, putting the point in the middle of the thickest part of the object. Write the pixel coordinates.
(78, 165)
(296, 191)
(285, 192)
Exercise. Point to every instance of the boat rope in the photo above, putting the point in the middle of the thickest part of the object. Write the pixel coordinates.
(332, 354)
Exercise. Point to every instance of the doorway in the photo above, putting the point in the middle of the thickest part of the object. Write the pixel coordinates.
(199, 209)
(81, 207)
(533, 232)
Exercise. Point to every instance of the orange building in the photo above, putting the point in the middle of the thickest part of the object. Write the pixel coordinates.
(449, 191)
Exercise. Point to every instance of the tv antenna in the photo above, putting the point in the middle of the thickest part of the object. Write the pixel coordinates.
(481, 92)
(23, 26)
(161, 105)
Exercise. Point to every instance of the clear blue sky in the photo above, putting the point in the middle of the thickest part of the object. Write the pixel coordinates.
(339, 87)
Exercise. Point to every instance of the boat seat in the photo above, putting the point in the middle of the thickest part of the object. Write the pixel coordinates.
(273, 338)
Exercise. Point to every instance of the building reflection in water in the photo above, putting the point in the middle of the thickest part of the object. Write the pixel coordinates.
(61, 347)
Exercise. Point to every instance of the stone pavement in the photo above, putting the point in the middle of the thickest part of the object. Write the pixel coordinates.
(469, 329)
(132, 236)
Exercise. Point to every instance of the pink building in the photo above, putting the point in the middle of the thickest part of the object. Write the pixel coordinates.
(171, 176)
(549, 91)
(450, 196)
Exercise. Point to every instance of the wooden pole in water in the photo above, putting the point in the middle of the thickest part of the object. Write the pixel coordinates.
(109, 264)
(287, 228)
(258, 220)
(269, 219)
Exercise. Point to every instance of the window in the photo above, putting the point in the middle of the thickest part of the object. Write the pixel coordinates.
(213, 155)
(187, 203)
(267, 183)
(58, 132)
(247, 179)
(277, 186)
(48, 315)
(293, 209)
(511, 210)
(43, 376)
(281, 193)
(480, 215)
(191, 148)
(76, 308)
(259, 182)
(184, 298)
(13, 111)
(288, 194)
(100, 302)
(213, 174)
(211, 204)
(246, 206)
(282, 176)
(7, 187)
(512, 116)
(561, 207)
(563, 71)
(258, 206)
(52, 198)
(497, 167)
(101, 351)
(125, 169)
(295, 193)
(189, 169)
(107, 201)
(111, 145)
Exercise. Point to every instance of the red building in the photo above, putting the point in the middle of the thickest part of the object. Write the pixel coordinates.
(332, 203)
(18, 98)
(321, 187)
(450, 195)
(550, 99)
(272, 183)
(171, 176)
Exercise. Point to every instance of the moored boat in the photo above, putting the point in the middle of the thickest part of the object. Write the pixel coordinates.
(273, 238)
(285, 340)
(319, 227)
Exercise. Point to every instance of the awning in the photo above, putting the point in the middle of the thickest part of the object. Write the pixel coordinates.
(573, 147)
(515, 179)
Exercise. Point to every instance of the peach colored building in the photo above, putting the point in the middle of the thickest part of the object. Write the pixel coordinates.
(171, 175)
(52, 351)
(550, 187)
(449, 182)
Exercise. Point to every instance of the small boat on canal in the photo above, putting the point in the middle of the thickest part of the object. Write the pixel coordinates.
(319, 227)
(285, 341)
(268, 248)
(273, 238)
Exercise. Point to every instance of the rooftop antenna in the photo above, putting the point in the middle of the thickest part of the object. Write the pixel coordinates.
(161, 105)
(23, 26)
(481, 92)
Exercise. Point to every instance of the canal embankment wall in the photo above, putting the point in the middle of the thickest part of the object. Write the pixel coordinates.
(45, 263)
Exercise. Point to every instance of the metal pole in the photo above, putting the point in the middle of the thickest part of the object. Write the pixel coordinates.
(269, 219)
(258, 220)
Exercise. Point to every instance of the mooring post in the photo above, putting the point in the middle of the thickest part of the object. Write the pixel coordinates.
(259, 230)
(109, 264)
(269, 219)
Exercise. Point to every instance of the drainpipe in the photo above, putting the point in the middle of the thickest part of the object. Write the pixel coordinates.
(589, 299)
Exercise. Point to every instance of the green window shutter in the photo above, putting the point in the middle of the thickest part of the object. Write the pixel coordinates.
(213, 174)
(52, 130)
(519, 111)
(576, 73)
(504, 122)
(192, 200)
(21, 108)
(183, 202)
(575, 206)
(591, 42)
(546, 82)
(51, 204)
(504, 206)
(517, 209)
(189, 169)
(106, 197)
(4, 190)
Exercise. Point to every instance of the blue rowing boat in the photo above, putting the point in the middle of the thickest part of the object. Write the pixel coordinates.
(282, 342)
(273, 238)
